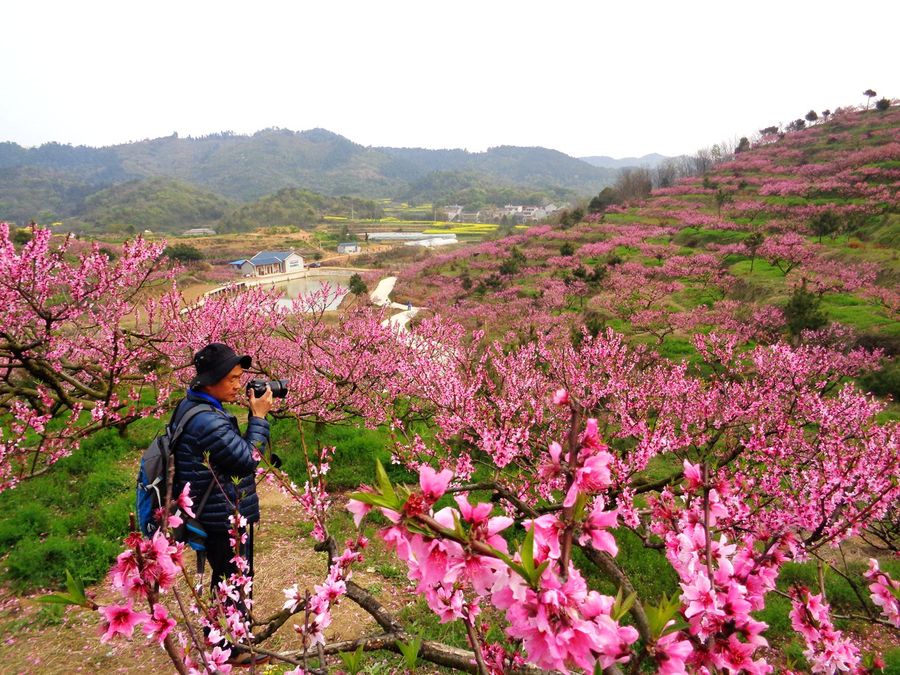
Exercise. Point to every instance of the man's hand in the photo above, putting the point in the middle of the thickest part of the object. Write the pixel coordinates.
(259, 407)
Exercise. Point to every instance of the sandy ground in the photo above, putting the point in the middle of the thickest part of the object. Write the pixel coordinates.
(283, 557)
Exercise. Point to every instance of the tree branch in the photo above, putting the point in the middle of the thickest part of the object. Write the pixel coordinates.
(607, 564)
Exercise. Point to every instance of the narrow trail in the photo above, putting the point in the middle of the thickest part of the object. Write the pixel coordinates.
(284, 555)
(381, 297)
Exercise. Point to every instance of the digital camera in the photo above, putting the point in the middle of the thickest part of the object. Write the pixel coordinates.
(279, 387)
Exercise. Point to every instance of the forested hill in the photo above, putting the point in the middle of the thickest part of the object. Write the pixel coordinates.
(528, 167)
(54, 179)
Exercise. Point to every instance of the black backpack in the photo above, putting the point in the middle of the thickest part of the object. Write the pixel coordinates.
(152, 479)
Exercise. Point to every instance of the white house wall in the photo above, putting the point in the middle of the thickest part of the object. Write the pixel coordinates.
(293, 263)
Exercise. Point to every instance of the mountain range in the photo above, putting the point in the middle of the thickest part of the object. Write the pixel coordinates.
(648, 161)
(56, 181)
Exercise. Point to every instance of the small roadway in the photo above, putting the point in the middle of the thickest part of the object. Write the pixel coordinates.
(381, 297)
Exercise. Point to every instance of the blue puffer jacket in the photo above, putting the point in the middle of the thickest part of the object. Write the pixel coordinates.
(216, 433)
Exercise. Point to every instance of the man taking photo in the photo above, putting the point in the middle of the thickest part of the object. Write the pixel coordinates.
(214, 433)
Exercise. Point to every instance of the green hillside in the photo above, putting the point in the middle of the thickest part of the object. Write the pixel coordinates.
(476, 190)
(798, 232)
(41, 194)
(154, 203)
(294, 206)
(249, 167)
(526, 167)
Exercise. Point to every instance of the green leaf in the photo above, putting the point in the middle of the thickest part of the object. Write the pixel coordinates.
(621, 607)
(384, 483)
(513, 565)
(526, 551)
(75, 587)
(58, 599)
(410, 651)
(373, 499)
(354, 662)
(457, 526)
(659, 615)
(415, 528)
(580, 504)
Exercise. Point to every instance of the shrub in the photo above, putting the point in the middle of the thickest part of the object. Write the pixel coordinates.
(183, 253)
(883, 382)
(882, 104)
(43, 564)
(746, 291)
(802, 311)
(99, 448)
(112, 518)
(102, 484)
(825, 223)
(607, 197)
(21, 236)
(889, 344)
(357, 286)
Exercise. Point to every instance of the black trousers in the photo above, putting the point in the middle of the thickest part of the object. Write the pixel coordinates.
(219, 554)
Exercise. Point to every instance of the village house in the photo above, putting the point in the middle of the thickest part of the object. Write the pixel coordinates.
(513, 213)
(269, 262)
(198, 232)
(348, 247)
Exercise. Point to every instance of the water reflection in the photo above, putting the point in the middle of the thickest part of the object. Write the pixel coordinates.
(306, 286)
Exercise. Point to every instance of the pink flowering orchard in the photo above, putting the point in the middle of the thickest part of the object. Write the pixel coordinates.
(550, 450)
(67, 349)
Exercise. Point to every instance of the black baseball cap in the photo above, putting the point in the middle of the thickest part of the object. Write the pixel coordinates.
(215, 361)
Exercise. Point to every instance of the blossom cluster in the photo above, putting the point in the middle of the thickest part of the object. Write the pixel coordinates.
(885, 592)
(463, 561)
(827, 650)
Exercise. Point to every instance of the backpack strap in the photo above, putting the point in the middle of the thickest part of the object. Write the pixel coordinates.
(182, 423)
(206, 495)
(173, 438)
(185, 418)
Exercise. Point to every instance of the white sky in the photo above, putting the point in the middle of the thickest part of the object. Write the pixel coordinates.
(586, 78)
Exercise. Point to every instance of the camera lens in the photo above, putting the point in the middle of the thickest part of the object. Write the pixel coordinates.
(279, 387)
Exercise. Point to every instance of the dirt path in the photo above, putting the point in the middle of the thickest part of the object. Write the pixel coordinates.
(283, 557)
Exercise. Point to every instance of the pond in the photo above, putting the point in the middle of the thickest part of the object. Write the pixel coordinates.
(304, 286)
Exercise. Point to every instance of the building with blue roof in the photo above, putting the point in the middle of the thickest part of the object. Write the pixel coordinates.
(269, 262)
